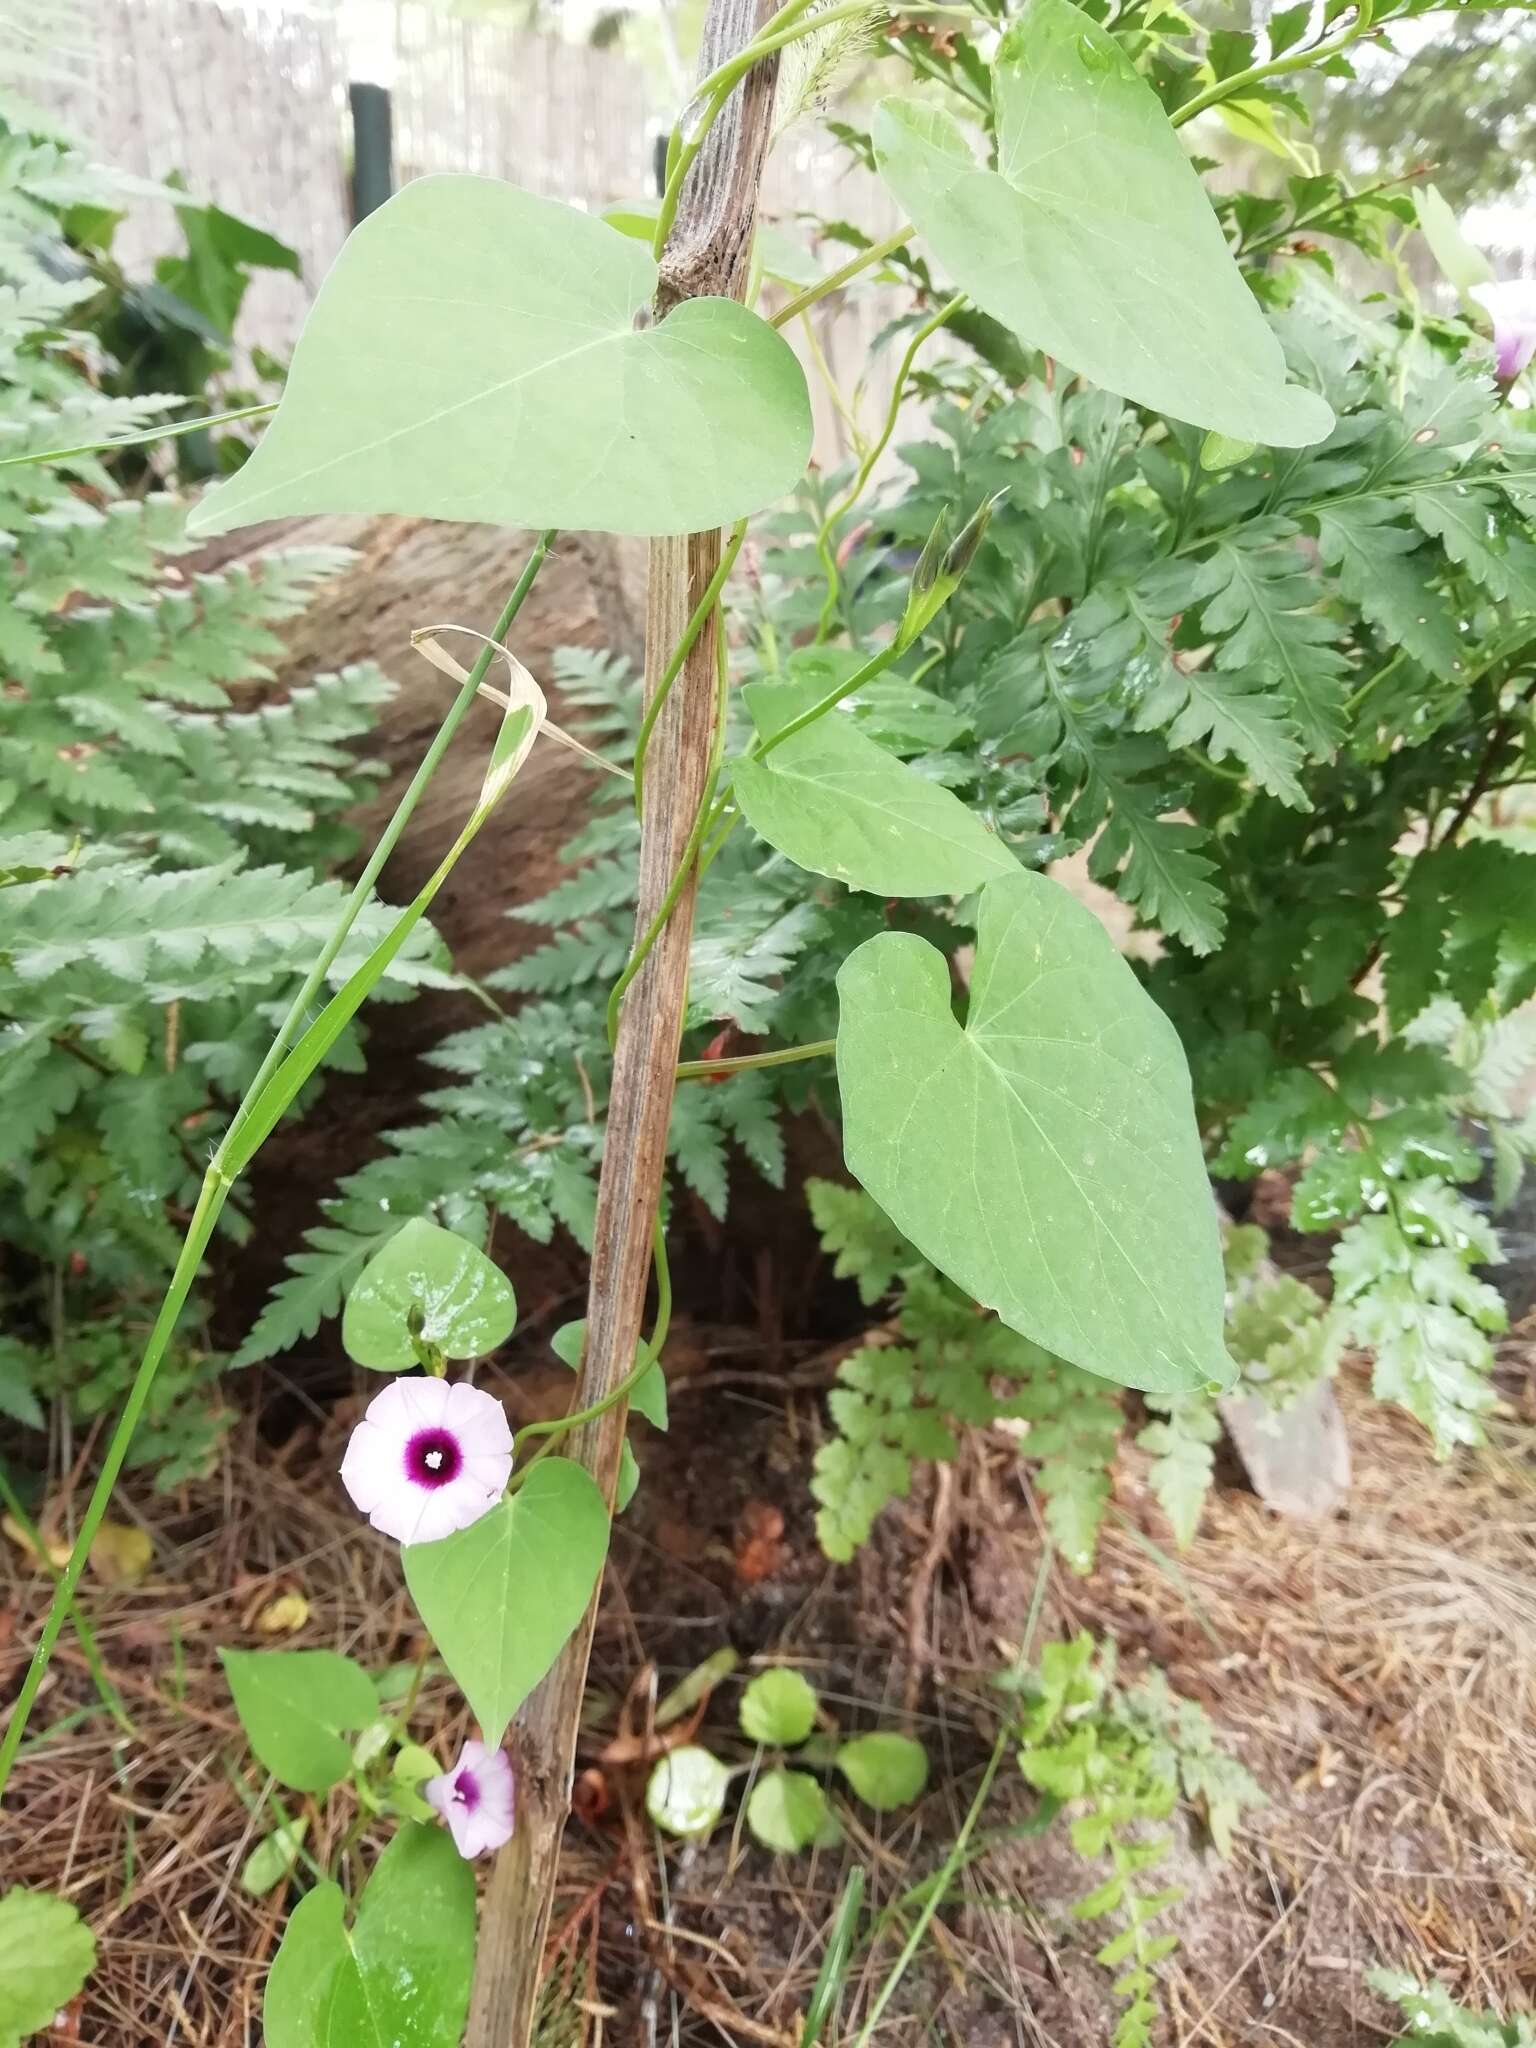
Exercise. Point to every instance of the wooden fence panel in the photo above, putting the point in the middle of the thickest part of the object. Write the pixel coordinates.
(250, 106)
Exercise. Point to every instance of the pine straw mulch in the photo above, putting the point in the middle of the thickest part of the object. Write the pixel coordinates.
(1377, 1673)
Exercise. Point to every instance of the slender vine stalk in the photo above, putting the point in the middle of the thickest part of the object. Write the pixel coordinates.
(111, 1698)
(872, 455)
(281, 1074)
(685, 866)
(1275, 67)
(836, 279)
(673, 669)
(877, 663)
(650, 1354)
(789, 25)
(786, 1056)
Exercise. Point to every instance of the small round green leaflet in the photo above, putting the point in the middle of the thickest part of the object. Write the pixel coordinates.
(295, 1705)
(685, 1794)
(1045, 1155)
(838, 804)
(46, 1954)
(466, 1304)
(788, 1811)
(473, 355)
(884, 1769)
(500, 1598)
(1094, 239)
(778, 1707)
(400, 1976)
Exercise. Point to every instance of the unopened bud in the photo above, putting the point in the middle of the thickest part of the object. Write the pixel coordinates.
(971, 536)
(931, 560)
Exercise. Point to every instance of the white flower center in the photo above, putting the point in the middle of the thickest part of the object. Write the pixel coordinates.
(433, 1461)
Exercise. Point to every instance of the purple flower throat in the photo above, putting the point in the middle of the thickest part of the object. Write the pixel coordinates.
(433, 1458)
(466, 1790)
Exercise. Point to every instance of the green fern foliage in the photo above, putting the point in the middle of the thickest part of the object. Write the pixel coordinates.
(1181, 1442)
(948, 1365)
(866, 1247)
(1074, 1432)
(1120, 1760)
(167, 823)
(1434, 2019)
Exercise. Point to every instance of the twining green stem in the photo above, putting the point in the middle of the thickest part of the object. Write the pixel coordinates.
(111, 1698)
(701, 824)
(283, 1072)
(712, 848)
(710, 97)
(836, 279)
(210, 1201)
(785, 27)
(679, 655)
(762, 748)
(650, 1353)
(166, 433)
(872, 455)
(786, 1056)
(1276, 67)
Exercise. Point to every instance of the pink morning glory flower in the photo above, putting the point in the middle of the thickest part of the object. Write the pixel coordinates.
(428, 1457)
(1511, 305)
(475, 1795)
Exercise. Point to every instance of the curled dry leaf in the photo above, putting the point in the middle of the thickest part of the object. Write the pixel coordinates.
(759, 1544)
(121, 1554)
(284, 1616)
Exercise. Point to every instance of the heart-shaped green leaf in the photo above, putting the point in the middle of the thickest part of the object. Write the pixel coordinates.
(466, 1304)
(400, 1978)
(778, 1707)
(46, 1954)
(837, 803)
(474, 355)
(1045, 1154)
(885, 1769)
(295, 1706)
(788, 1811)
(500, 1598)
(1093, 239)
(685, 1793)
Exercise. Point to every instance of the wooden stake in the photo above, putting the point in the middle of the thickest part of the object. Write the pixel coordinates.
(706, 255)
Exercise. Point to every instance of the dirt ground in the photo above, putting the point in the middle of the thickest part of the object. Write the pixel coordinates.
(1375, 1673)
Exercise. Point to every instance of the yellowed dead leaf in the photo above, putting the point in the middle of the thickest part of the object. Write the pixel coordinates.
(284, 1616)
(58, 1552)
(121, 1554)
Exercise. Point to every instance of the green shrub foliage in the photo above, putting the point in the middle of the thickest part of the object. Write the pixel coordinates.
(166, 833)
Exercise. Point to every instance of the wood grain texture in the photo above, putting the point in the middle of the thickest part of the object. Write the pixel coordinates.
(707, 254)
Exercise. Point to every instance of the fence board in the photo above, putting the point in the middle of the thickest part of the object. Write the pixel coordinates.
(250, 105)
(249, 108)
